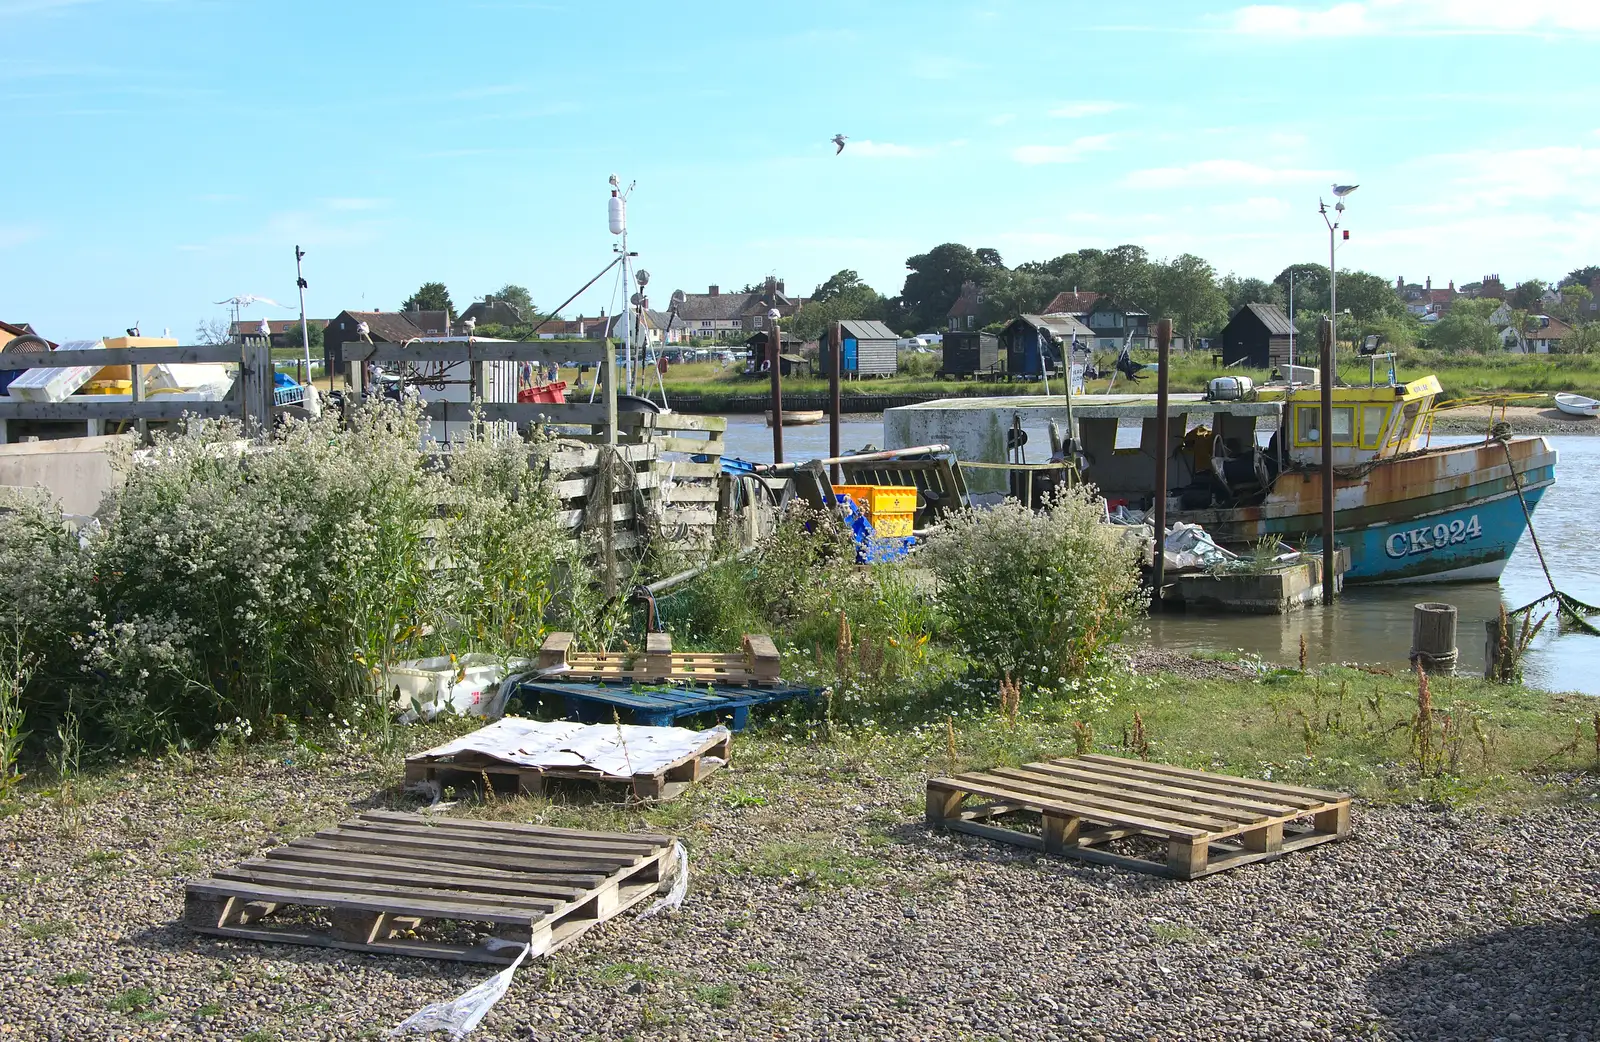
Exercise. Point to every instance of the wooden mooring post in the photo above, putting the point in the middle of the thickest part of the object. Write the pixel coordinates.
(1433, 637)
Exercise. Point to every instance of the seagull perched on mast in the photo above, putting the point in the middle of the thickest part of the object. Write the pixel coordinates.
(839, 140)
(1343, 190)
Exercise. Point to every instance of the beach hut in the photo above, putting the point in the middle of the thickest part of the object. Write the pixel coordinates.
(867, 348)
(1030, 340)
(971, 354)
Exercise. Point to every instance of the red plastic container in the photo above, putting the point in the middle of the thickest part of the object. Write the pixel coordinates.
(553, 393)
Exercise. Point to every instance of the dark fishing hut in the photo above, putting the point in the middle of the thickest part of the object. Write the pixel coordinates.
(1030, 340)
(971, 353)
(1258, 336)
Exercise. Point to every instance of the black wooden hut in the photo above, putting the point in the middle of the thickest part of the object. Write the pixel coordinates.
(972, 353)
(1258, 336)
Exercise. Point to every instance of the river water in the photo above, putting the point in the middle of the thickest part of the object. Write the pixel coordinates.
(1369, 623)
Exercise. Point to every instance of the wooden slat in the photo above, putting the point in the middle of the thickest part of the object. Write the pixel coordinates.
(154, 409)
(1179, 799)
(515, 412)
(1135, 782)
(579, 351)
(433, 908)
(1273, 788)
(347, 844)
(1100, 808)
(313, 852)
(215, 354)
(400, 892)
(416, 875)
(533, 850)
(1157, 805)
(1001, 789)
(644, 842)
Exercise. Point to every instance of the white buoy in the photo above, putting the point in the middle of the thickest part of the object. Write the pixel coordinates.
(617, 211)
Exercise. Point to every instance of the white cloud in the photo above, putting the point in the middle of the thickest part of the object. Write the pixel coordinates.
(17, 234)
(1418, 18)
(1079, 109)
(1221, 172)
(1501, 178)
(886, 150)
(1035, 155)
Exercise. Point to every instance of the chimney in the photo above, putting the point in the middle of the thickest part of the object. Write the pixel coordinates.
(715, 292)
(780, 290)
(772, 289)
(1399, 287)
(1452, 290)
(1429, 284)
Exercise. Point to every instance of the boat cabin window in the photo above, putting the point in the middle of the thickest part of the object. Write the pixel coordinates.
(1344, 425)
(1409, 421)
(1307, 429)
(1373, 419)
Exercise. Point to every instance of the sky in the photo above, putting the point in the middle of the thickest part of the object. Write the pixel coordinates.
(161, 155)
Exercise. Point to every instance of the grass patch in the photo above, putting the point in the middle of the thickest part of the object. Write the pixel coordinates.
(44, 929)
(76, 977)
(210, 1009)
(132, 1001)
(817, 861)
(717, 996)
(618, 972)
(1172, 933)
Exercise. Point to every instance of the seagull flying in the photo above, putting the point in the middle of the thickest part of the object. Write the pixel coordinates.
(1343, 190)
(839, 140)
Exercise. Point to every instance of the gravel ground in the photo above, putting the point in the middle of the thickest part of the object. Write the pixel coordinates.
(829, 911)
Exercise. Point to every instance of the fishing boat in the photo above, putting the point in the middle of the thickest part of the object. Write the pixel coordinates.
(1408, 510)
(1578, 405)
(799, 417)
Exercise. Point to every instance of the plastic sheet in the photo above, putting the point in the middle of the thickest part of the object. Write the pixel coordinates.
(464, 1012)
(680, 886)
(620, 750)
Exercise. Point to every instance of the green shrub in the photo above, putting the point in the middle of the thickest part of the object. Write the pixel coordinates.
(231, 584)
(1039, 595)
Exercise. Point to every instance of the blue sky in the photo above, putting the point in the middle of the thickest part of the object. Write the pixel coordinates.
(174, 151)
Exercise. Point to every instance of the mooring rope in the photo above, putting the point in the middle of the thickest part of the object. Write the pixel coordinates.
(1571, 607)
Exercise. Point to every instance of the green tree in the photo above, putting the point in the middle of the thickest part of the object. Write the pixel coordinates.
(1461, 332)
(1583, 276)
(989, 258)
(857, 301)
(517, 296)
(1250, 291)
(1310, 286)
(431, 296)
(1366, 296)
(1527, 295)
(1573, 307)
(935, 283)
(1583, 340)
(1125, 274)
(1185, 289)
(837, 283)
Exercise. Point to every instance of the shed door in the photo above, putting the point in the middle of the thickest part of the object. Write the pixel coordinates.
(849, 354)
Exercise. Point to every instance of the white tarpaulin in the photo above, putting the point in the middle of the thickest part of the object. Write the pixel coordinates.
(621, 750)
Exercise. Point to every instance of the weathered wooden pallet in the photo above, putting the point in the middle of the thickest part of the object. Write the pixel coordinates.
(1209, 822)
(406, 884)
(664, 784)
(757, 665)
(660, 705)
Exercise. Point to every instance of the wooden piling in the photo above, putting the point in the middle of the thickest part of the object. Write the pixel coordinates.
(1433, 637)
(1163, 347)
(1326, 423)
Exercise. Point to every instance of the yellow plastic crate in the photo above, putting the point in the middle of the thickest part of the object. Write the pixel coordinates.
(892, 509)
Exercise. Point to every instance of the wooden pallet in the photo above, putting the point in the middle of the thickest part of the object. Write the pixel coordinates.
(383, 881)
(757, 664)
(658, 706)
(1209, 822)
(667, 783)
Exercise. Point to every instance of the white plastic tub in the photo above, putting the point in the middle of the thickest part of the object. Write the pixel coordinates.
(469, 686)
(55, 385)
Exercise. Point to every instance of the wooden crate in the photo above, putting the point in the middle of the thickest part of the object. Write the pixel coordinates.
(757, 664)
(1208, 822)
(661, 785)
(384, 881)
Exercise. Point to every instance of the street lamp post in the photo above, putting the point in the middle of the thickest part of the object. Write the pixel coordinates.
(775, 340)
(1339, 191)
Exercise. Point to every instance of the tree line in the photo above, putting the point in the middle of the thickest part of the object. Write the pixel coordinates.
(1186, 289)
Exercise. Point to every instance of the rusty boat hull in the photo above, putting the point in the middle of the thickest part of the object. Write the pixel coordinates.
(1445, 514)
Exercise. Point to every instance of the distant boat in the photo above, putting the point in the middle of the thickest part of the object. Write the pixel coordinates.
(1571, 404)
(798, 417)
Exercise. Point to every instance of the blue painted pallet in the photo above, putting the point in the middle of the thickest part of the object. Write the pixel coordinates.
(658, 705)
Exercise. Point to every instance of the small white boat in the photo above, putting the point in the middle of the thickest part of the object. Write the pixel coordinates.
(799, 417)
(1578, 405)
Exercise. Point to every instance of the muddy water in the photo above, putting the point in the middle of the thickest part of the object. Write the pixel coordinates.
(1370, 624)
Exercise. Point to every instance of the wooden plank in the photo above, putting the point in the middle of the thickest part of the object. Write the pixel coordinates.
(1138, 783)
(1272, 788)
(213, 354)
(1217, 786)
(315, 852)
(535, 849)
(690, 516)
(447, 854)
(693, 446)
(432, 908)
(312, 886)
(643, 842)
(560, 351)
(417, 874)
(160, 408)
(555, 650)
(564, 460)
(688, 470)
(1154, 796)
(514, 412)
(574, 518)
(579, 488)
(680, 493)
(1098, 807)
(1002, 789)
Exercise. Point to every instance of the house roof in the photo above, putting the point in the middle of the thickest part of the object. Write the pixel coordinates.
(700, 307)
(492, 312)
(1062, 327)
(1270, 315)
(866, 329)
(1555, 329)
(1073, 303)
(970, 302)
(278, 325)
(386, 326)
